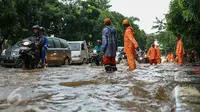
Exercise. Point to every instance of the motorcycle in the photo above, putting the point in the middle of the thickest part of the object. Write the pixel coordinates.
(142, 57)
(139, 56)
(96, 59)
(30, 54)
(121, 56)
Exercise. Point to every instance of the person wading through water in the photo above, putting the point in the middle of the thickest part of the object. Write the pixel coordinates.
(130, 44)
(109, 46)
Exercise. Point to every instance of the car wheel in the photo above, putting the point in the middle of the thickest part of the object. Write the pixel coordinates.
(19, 63)
(84, 61)
(66, 61)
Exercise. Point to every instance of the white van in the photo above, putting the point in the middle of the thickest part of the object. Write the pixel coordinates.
(79, 51)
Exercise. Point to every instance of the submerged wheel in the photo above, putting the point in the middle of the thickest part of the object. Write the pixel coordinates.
(84, 61)
(66, 62)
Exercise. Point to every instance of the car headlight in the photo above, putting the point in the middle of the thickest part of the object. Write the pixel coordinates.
(95, 51)
(25, 43)
(140, 58)
(3, 52)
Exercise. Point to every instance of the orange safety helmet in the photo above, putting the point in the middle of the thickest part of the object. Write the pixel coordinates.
(125, 22)
(107, 21)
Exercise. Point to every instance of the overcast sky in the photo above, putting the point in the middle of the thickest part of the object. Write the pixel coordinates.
(145, 10)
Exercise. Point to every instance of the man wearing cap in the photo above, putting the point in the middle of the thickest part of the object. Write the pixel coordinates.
(130, 44)
(109, 46)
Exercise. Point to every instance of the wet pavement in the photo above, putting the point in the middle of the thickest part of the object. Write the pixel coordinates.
(85, 88)
(186, 95)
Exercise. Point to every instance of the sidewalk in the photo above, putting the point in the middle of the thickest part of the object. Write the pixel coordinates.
(186, 95)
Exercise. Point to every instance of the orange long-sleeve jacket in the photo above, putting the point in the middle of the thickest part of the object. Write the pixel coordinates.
(168, 57)
(152, 53)
(172, 57)
(129, 40)
(158, 53)
(179, 48)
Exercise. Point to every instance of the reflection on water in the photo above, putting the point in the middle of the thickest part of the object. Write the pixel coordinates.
(79, 83)
(85, 88)
(137, 91)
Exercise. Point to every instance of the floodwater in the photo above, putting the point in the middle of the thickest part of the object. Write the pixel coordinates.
(85, 88)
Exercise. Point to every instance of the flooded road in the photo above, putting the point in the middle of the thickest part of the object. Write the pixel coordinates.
(83, 88)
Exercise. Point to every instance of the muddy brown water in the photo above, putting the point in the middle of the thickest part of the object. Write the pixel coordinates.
(82, 88)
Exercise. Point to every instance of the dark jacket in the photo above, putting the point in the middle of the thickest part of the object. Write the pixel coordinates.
(109, 41)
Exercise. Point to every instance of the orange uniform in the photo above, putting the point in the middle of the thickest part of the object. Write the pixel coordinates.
(129, 46)
(176, 60)
(169, 57)
(152, 55)
(158, 56)
(172, 57)
(180, 52)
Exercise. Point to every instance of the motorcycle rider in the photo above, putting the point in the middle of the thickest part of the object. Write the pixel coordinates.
(43, 46)
(32, 57)
(33, 60)
(35, 35)
(35, 39)
(97, 48)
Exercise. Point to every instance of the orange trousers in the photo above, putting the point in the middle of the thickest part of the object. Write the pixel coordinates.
(109, 60)
(180, 59)
(131, 61)
(153, 61)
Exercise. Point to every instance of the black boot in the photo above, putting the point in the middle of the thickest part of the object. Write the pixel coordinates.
(108, 68)
(114, 67)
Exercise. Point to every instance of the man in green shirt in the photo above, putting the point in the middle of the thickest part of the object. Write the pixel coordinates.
(97, 48)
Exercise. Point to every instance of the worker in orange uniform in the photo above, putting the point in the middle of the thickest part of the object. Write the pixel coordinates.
(130, 44)
(179, 51)
(169, 57)
(158, 56)
(172, 57)
(176, 60)
(152, 55)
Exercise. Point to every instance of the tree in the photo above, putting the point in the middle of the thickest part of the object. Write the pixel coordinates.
(183, 20)
(160, 25)
(8, 18)
(67, 19)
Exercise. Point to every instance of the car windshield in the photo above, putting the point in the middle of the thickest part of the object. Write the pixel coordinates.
(18, 44)
(74, 46)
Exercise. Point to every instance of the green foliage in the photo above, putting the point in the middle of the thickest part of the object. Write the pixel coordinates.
(69, 19)
(184, 19)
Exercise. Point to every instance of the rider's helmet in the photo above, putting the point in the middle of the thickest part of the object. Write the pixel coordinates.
(42, 29)
(98, 41)
(36, 27)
